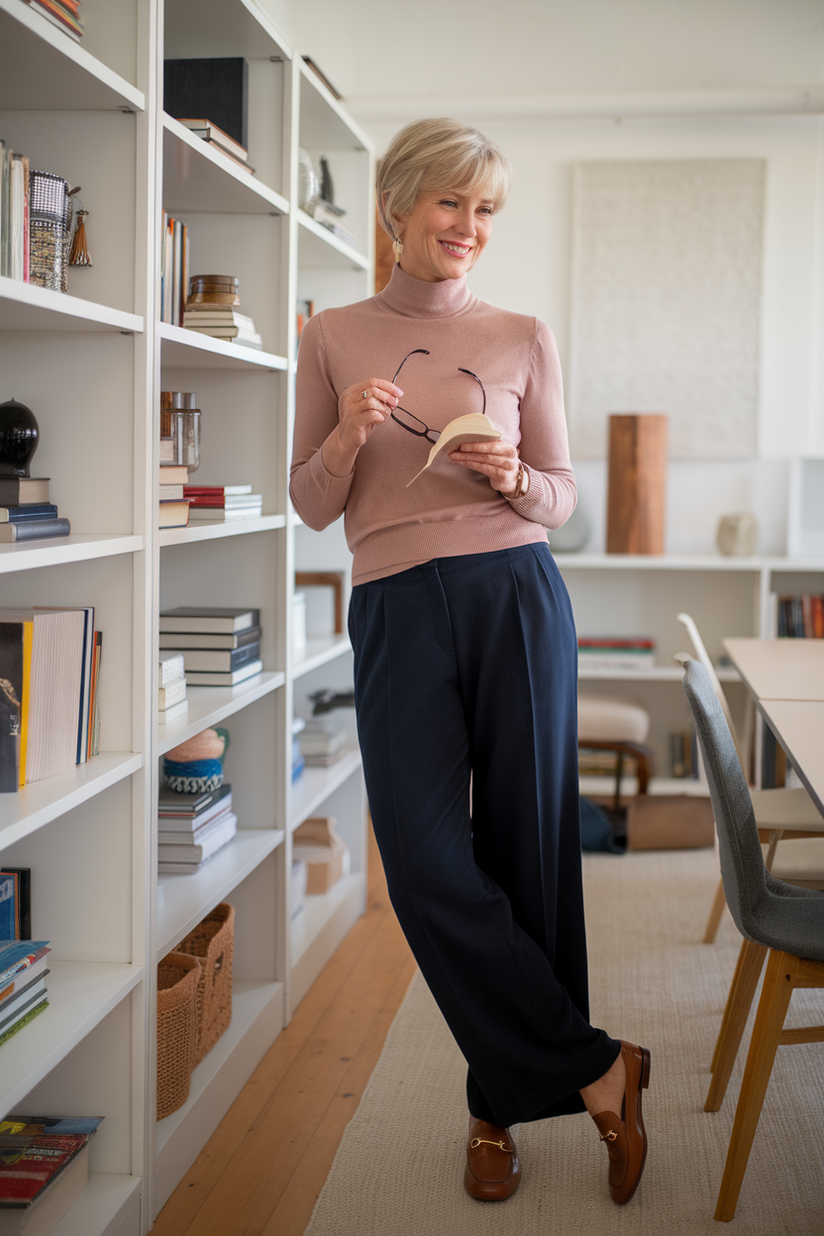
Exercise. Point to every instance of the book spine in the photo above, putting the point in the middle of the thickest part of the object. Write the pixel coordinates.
(39, 529)
(20, 514)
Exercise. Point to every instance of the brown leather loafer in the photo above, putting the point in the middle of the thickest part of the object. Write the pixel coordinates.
(626, 1138)
(492, 1168)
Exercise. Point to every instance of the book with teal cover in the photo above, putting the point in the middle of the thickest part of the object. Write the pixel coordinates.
(17, 955)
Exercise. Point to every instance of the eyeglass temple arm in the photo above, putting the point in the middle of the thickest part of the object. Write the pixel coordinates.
(480, 383)
(425, 352)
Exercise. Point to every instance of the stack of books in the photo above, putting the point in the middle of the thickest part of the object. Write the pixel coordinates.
(222, 502)
(174, 270)
(171, 689)
(25, 511)
(800, 617)
(684, 755)
(209, 132)
(65, 14)
(220, 647)
(612, 652)
(44, 1167)
(174, 506)
(222, 322)
(321, 745)
(327, 216)
(49, 679)
(23, 970)
(192, 828)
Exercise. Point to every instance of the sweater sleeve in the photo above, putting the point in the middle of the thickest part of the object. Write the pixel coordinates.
(544, 445)
(317, 496)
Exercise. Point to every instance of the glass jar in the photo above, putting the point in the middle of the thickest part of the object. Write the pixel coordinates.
(179, 429)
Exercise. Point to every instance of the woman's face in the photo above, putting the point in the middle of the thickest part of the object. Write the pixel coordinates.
(445, 234)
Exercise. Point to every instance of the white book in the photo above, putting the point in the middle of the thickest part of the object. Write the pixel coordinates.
(174, 710)
(170, 668)
(172, 694)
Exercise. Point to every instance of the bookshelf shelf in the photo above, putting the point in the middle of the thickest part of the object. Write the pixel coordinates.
(318, 909)
(41, 802)
(215, 531)
(40, 67)
(80, 994)
(186, 349)
(319, 651)
(314, 785)
(104, 1203)
(659, 673)
(604, 787)
(24, 306)
(323, 121)
(197, 177)
(188, 898)
(257, 1017)
(64, 550)
(211, 705)
(222, 28)
(322, 248)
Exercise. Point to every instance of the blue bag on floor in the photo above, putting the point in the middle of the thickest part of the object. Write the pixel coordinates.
(596, 831)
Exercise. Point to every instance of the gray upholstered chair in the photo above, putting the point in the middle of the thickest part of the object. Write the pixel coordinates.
(781, 814)
(772, 916)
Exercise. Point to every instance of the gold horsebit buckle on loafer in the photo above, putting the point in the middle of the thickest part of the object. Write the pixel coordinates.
(609, 1137)
(482, 1141)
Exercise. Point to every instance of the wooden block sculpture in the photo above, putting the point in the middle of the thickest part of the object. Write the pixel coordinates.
(636, 496)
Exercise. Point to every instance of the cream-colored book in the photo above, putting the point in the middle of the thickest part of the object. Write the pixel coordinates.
(474, 427)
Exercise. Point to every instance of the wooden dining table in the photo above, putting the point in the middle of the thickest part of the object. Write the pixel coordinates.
(786, 678)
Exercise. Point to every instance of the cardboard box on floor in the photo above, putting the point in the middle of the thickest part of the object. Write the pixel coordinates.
(318, 845)
(669, 822)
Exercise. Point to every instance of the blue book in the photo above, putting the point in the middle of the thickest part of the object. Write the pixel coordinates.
(18, 955)
(15, 903)
(34, 510)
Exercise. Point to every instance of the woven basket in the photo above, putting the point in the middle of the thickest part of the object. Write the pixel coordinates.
(212, 941)
(177, 986)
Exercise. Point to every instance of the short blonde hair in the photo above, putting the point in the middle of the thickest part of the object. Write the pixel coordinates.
(438, 154)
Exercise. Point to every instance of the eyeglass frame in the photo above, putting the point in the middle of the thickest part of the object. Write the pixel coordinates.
(426, 431)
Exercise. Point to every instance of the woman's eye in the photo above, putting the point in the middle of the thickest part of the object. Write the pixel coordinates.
(447, 201)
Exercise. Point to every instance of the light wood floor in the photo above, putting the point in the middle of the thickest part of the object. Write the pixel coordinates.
(261, 1171)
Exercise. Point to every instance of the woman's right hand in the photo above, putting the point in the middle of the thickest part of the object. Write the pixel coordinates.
(357, 417)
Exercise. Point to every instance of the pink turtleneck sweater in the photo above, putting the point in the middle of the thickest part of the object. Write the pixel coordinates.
(449, 510)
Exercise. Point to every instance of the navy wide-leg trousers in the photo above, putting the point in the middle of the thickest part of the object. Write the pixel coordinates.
(465, 688)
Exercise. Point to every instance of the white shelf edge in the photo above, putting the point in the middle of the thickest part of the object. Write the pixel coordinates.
(334, 242)
(329, 99)
(314, 785)
(683, 562)
(81, 547)
(212, 155)
(236, 353)
(40, 802)
(659, 673)
(90, 311)
(213, 532)
(319, 651)
(105, 1200)
(189, 898)
(80, 995)
(209, 705)
(129, 95)
(251, 1001)
(604, 787)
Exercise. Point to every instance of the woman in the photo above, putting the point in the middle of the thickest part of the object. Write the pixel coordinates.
(465, 651)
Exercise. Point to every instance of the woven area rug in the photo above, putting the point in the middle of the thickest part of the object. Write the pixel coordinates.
(398, 1171)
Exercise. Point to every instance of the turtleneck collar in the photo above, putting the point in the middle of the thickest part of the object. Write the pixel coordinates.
(418, 298)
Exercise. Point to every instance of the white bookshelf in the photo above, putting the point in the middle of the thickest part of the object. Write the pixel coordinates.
(91, 364)
(642, 595)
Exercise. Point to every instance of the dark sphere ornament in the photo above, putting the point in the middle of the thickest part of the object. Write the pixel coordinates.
(19, 435)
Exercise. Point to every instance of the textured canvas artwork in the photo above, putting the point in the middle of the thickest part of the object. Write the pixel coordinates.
(665, 302)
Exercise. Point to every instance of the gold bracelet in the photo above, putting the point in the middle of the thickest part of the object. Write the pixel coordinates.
(519, 483)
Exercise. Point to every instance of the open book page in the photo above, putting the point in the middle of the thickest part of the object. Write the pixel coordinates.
(474, 427)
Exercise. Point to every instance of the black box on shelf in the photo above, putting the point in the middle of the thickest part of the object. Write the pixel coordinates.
(215, 89)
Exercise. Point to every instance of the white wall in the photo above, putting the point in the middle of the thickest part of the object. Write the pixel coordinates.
(481, 63)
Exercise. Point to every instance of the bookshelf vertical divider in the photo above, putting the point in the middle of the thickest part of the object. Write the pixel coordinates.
(92, 366)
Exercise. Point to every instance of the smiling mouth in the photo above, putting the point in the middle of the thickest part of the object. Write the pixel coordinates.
(457, 249)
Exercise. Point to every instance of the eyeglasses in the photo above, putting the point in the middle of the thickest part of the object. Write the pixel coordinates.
(412, 423)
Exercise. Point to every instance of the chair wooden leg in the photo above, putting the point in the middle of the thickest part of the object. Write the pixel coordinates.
(772, 1009)
(739, 1001)
(718, 907)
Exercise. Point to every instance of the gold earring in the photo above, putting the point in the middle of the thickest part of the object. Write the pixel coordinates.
(397, 248)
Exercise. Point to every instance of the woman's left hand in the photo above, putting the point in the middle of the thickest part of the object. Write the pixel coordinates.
(498, 461)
